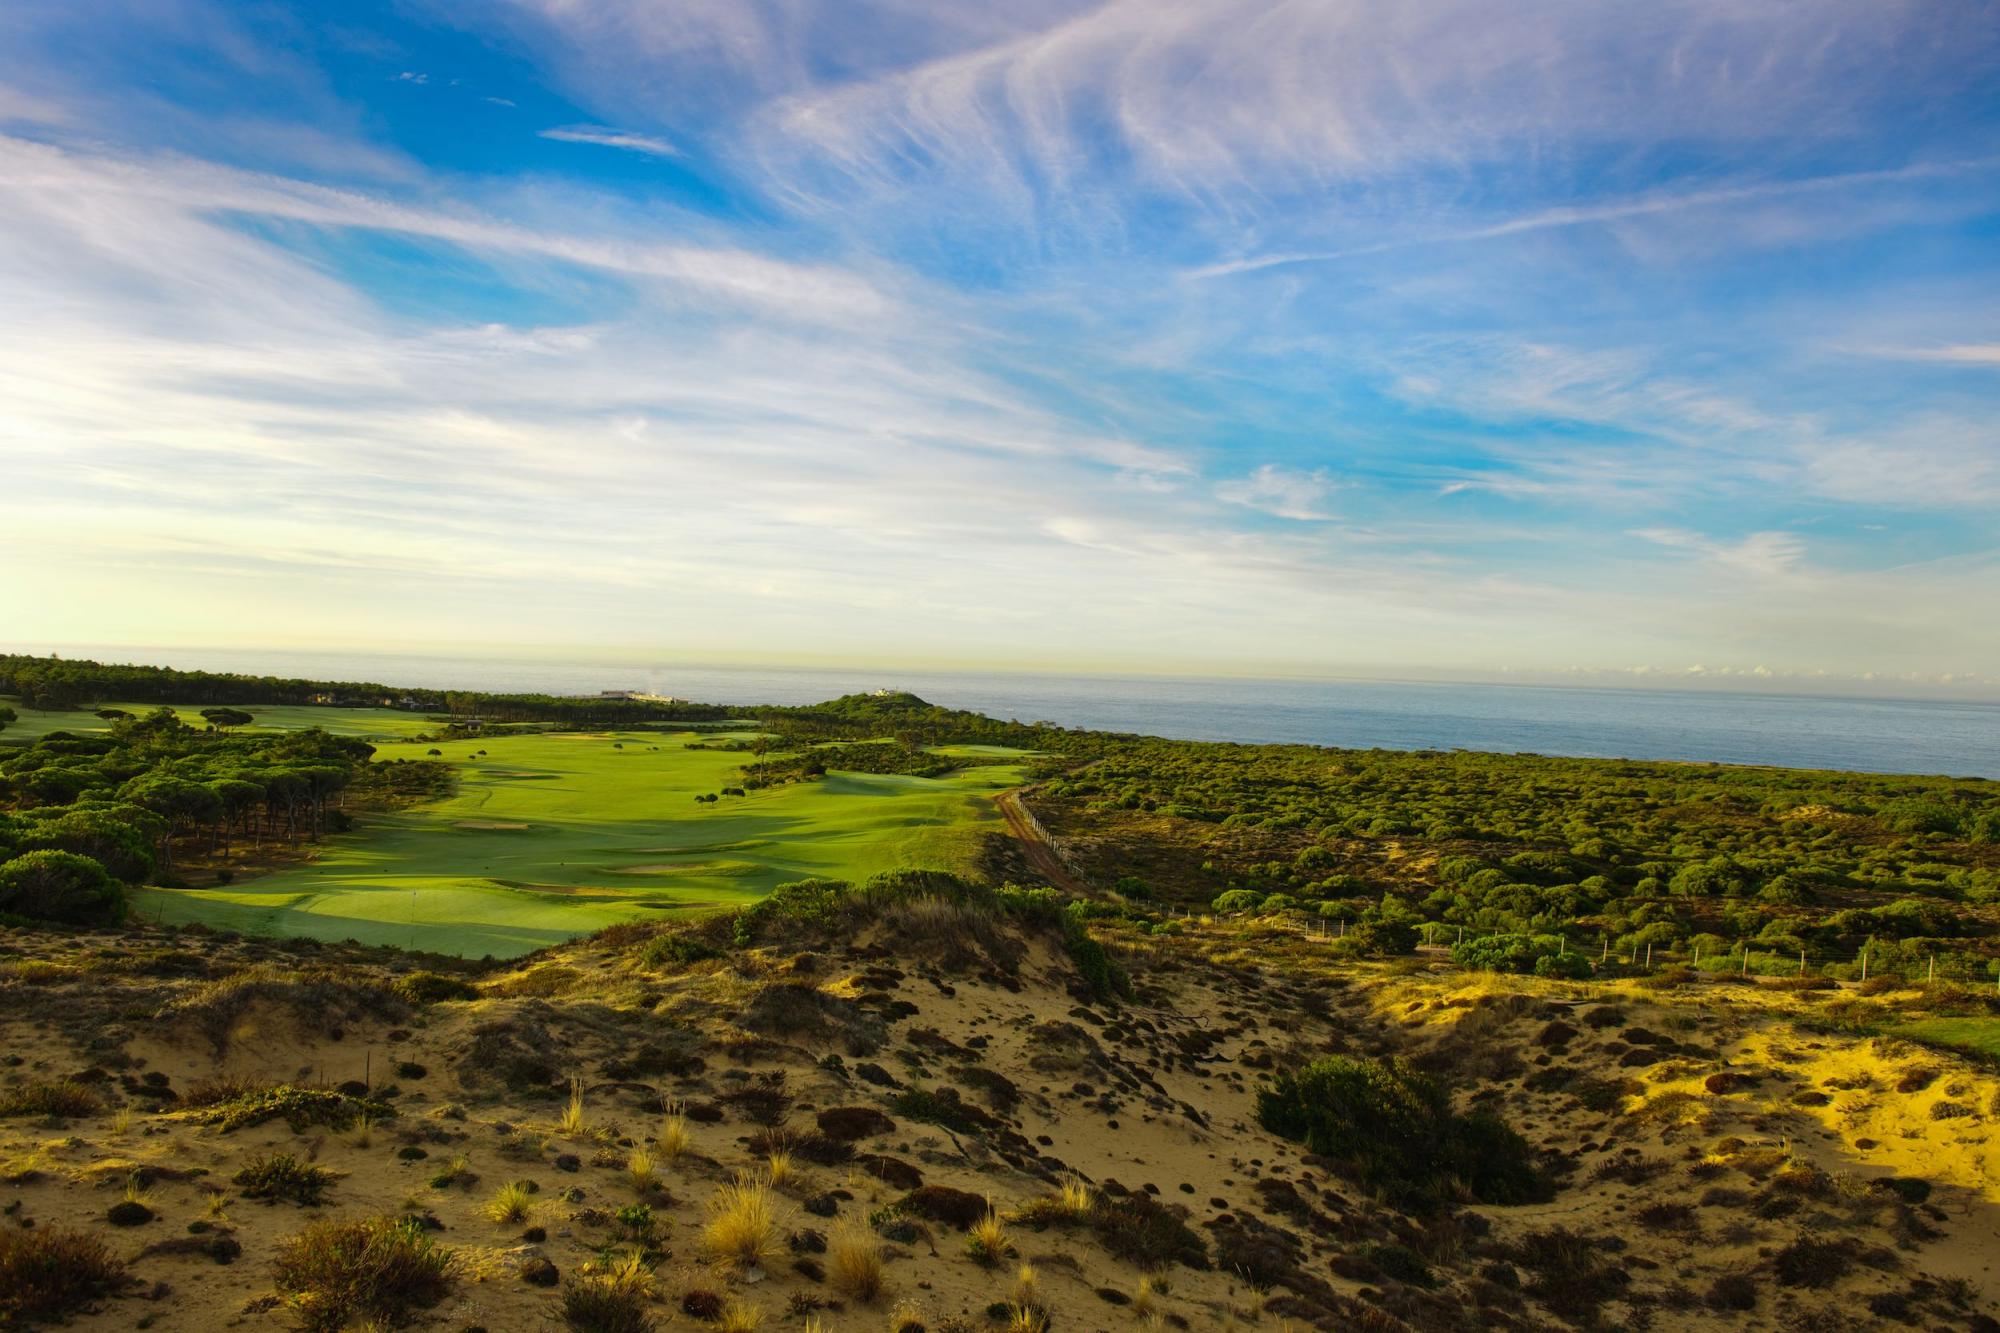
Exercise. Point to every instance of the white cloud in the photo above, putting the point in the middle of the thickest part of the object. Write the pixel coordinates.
(606, 137)
(1758, 555)
(1280, 491)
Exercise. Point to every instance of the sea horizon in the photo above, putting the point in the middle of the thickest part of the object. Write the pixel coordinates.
(1863, 733)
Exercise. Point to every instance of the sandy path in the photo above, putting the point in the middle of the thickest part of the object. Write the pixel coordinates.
(1035, 845)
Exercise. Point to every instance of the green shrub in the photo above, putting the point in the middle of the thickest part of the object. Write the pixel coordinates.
(302, 1108)
(61, 887)
(810, 904)
(1237, 900)
(1393, 1128)
(433, 988)
(57, 1099)
(675, 950)
(283, 1176)
(379, 1269)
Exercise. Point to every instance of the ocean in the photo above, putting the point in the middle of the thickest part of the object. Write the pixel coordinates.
(1872, 735)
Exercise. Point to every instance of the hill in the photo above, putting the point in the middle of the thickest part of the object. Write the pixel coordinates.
(928, 1104)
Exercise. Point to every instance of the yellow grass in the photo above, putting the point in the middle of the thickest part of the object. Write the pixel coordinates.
(987, 1242)
(738, 1317)
(673, 1140)
(512, 1202)
(574, 1122)
(642, 1170)
(778, 1166)
(1027, 1286)
(742, 1222)
(854, 1264)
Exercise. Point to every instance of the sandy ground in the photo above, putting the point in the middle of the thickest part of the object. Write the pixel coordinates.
(1695, 1139)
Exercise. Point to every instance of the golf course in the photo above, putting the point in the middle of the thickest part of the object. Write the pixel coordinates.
(554, 835)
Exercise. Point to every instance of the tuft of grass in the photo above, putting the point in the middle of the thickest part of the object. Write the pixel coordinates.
(1027, 1287)
(52, 1272)
(740, 1317)
(283, 1176)
(778, 1166)
(378, 1269)
(742, 1222)
(65, 1098)
(854, 1264)
(987, 1243)
(1145, 1297)
(511, 1203)
(642, 1170)
(613, 1302)
(673, 1139)
(573, 1121)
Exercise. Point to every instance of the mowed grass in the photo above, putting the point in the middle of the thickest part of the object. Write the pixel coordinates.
(368, 723)
(1980, 1035)
(553, 836)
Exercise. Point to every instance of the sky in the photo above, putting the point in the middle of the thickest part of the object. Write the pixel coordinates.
(1554, 340)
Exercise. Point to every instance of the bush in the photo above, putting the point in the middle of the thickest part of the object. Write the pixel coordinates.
(433, 987)
(1395, 1130)
(283, 1176)
(302, 1108)
(1539, 955)
(379, 1269)
(1101, 972)
(665, 951)
(60, 887)
(613, 1303)
(1237, 900)
(52, 1272)
(812, 904)
(57, 1099)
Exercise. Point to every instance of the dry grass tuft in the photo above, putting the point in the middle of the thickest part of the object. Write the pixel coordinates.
(642, 1169)
(673, 1140)
(854, 1264)
(987, 1241)
(511, 1203)
(742, 1222)
(573, 1121)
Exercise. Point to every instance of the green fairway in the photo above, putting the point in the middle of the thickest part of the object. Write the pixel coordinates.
(1981, 1035)
(367, 723)
(552, 836)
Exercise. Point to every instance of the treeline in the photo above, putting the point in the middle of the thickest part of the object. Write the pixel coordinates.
(1534, 860)
(84, 816)
(57, 684)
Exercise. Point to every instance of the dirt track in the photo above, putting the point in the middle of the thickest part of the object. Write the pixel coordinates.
(1041, 855)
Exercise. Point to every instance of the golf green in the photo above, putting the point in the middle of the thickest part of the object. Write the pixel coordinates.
(556, 835)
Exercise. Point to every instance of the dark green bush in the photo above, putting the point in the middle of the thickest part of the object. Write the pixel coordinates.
(1393, 1128)
(61, 887)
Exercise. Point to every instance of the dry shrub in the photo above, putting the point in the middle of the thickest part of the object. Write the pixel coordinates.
(52, 1272)
(380, 1269)
(64, 1098)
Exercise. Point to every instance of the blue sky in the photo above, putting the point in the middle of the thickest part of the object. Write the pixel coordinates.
(1558, 340)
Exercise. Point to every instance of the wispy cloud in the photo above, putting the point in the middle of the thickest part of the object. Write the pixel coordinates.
(1281, 492)
(606, 137)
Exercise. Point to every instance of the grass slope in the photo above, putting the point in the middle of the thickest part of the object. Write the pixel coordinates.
(370, 724)
(552, 836)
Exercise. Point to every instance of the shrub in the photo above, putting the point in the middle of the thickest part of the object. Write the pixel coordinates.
(283, 1176)
(1237, 900)
(1394, 1129)
(809, 904)
(1106, 979)
(61, 887)
(1541, 955)
(302, 1108)
(433, 987)
(610, 1303)
(665, 951)
(52, 1272)
(58, 1099)
(333, 1274)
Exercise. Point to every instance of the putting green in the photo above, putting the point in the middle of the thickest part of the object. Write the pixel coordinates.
(553, 836)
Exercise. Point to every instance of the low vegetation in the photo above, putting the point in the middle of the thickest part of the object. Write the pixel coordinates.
(380, 1269)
